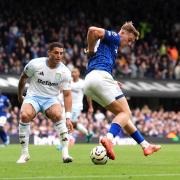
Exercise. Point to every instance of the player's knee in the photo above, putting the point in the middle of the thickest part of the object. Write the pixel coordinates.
(129, 114)
(25, 117)
(57, 117)
(126, 115)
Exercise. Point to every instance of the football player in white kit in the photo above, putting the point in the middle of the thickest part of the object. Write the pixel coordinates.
(77, 102)
(77, 88)
(47, 75)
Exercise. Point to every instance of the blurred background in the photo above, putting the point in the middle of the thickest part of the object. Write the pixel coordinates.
(150, 71)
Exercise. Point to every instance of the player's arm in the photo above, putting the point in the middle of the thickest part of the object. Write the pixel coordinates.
(21, 86)
(66, 87)
(90, 105)
(67, 100)
(68, 108)
(28, 72)
(94, 33)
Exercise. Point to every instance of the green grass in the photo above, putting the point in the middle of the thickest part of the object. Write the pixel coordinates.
(46, 163)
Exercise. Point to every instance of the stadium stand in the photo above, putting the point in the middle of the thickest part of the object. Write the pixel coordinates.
(25, 34)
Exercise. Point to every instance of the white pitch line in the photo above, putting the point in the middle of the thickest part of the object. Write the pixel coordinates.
(90, 176)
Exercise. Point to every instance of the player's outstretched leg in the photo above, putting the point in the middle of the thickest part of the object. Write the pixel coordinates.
(24, 131)
(151, 149)
(148, 148)
(123, 119)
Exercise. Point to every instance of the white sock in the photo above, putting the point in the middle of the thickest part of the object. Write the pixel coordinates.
(144, 144)
(81, 128)
(64, 138)
(62, 131)
(110, 136)
(24, 131)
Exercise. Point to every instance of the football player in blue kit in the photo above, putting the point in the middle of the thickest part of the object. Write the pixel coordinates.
(4, 105)
(102, 50)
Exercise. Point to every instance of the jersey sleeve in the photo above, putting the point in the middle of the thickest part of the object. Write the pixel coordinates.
(66, 84)
(29, 69)
(112, 37)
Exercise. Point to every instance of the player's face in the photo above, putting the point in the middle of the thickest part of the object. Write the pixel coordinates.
(127, 39)
(56, 55)
(75, 74)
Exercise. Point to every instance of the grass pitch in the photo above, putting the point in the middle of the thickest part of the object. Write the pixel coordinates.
(46, 164)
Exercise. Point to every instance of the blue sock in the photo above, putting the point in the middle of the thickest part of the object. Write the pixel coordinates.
(137, 136)
(115, 129)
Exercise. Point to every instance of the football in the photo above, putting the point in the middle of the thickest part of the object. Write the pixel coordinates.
(98, 155)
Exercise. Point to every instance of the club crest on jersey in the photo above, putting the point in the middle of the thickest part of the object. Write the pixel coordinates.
(58, 76)
(114, 33)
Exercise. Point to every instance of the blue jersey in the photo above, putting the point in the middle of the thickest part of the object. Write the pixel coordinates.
(4, 103)
(105, 56)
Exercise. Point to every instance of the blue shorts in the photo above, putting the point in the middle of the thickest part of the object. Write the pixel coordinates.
(75, 114)
(40, 103)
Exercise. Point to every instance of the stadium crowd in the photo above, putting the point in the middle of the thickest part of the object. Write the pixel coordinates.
(151, 123)
(25, 31)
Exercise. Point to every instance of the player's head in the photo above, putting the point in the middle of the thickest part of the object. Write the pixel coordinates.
(55, 52)
(128, 34)
(75, 73)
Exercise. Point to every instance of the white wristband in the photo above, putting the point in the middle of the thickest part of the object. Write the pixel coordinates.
(68, 115)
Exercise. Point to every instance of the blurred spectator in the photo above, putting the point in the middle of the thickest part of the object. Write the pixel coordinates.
(177, 70)
(99, 116)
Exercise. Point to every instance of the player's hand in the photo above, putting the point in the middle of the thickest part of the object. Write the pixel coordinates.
(120, 84)
(69, 125)
(89, 53)
(21, 99)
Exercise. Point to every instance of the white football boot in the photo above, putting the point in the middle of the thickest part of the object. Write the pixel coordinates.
(67, 159)
(23, 158)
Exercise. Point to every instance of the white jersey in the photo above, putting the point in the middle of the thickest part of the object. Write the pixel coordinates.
(61, 98)
(45, 81)
(77, 93)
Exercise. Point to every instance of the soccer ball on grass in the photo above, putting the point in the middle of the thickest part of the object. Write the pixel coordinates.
(98, 155)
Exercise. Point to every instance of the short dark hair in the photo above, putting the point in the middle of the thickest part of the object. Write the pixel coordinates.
(52, 45)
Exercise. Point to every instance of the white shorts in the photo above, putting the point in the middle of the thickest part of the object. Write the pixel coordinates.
(102, 88)
(75, 114)
(40, 103)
